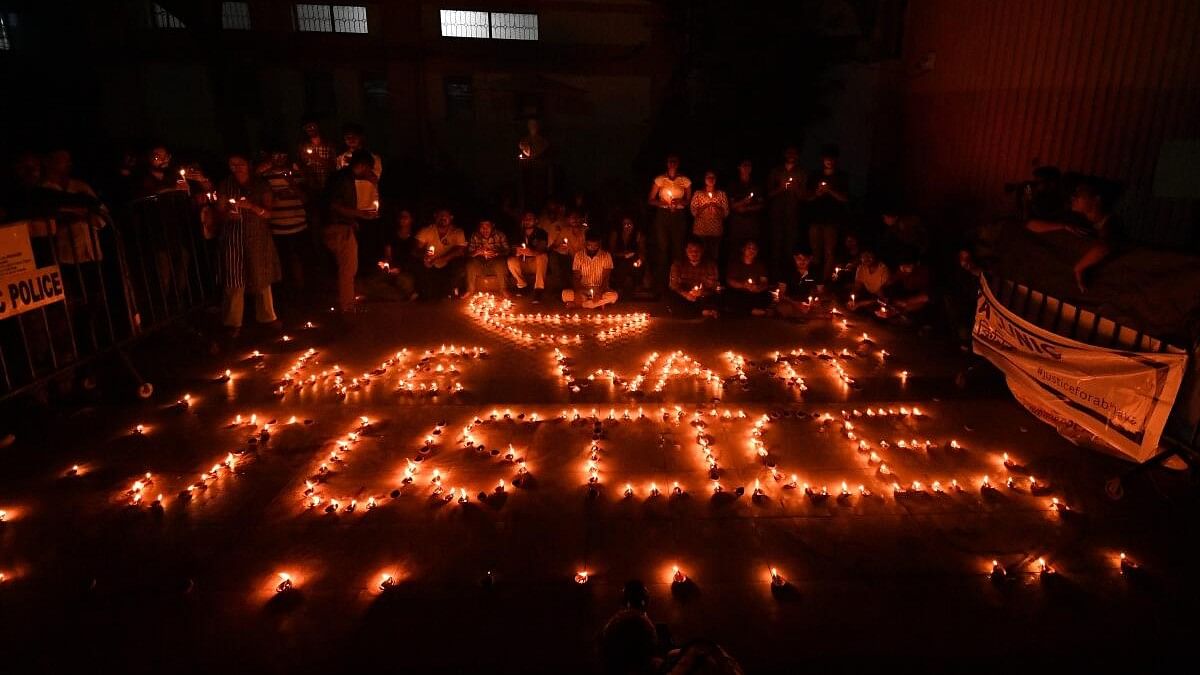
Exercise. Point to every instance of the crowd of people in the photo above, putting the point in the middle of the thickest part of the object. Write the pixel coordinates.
(789, 246)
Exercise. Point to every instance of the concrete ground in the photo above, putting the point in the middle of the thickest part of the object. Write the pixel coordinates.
(93, 580)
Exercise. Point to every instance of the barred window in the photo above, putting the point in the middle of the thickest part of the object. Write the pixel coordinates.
(314, 18)
(165, 19)
(466, 23)
(331, 18)
(235, 15)
(349, 19)
(508, 26)
(5, 45)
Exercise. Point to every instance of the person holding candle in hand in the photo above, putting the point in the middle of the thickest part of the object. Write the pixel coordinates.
(566, 239)
(487, 255)
(693, 283)
(401, 256)
(444, 247)
(669, 194)
(590, 274)
(247, 261)
(797, 297)
(366, 187)
(746, 277)
(530, 254)
(342, 222)
(745, 206)
(627, 245)
(828, 211)
(870, 279)
(709, 207)
(787, 190)
(317, 157)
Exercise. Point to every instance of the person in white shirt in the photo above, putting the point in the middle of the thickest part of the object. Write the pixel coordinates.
(869, 281)
(590, 274)
(444, 247)
(366, 188)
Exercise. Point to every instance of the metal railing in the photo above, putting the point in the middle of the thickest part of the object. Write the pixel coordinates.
(123, 275)
(1182, 430)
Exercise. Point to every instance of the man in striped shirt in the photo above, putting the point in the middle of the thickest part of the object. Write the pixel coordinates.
(590, 273)
(288, 220)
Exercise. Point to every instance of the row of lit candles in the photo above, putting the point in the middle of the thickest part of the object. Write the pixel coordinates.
(388, 581)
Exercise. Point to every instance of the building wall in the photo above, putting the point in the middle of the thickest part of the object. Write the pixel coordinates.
(1106, 87)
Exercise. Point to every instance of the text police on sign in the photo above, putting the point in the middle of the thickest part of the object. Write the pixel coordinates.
(24, 291)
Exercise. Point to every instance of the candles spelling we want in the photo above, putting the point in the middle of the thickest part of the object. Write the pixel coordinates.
(676, 364)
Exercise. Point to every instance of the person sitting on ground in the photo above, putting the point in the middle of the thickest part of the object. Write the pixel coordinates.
(848, 257)
(746, 277)
(907, 292)
(487, 255)
(590, 274)
(400, 256)
(798, 295)
(530, 255)
(443, 248)
(870, 278)
(709, 206)
(627, 244)
(566, 239)
(1102, 230)
(693, 283)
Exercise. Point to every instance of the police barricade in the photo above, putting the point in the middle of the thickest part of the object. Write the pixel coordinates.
(83, 284)
(1178, 404)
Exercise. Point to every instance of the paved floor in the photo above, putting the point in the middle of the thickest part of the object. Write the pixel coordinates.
(94, 580)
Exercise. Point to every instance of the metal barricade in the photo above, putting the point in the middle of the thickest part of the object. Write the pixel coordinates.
(1182, 432)
(122, 277)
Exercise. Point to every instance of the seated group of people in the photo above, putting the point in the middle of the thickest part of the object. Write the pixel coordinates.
(441, 259)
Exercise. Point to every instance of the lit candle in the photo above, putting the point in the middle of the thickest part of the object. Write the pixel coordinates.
(998, 571)
(777, 579)
(581, 577)
(285, 583)
(387, 582)
(677, 576)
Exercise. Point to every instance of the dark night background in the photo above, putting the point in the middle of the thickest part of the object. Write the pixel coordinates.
(934, 103)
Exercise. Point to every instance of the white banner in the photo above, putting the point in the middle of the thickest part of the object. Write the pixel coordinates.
(1114, 399)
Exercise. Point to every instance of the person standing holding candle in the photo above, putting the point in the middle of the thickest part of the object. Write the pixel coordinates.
(787, 191)
(289, 220)
(828, 211)
(669, 194)
(247, 261)
(709, 207)
(341, 223)
(746, 206)
(318, 160)
(366, 189)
